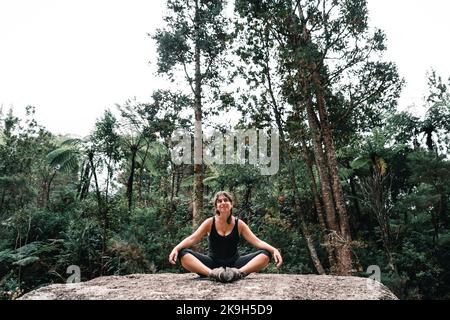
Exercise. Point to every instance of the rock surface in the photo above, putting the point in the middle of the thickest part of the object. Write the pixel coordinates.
(167, 286)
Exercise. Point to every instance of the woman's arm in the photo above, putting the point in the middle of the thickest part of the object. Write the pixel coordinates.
(257, 243)
(193, 239)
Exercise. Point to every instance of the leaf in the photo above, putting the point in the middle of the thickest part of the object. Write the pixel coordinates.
(26, 261)
(209, 181)
(345, 173)
(187, 182)
(359, 163)
(64, 158)
(6, 256)
(29, 248)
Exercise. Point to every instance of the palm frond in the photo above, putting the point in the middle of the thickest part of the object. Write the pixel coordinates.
(64, 158)
(72, 142)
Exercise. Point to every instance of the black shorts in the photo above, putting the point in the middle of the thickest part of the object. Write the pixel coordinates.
(237, 262)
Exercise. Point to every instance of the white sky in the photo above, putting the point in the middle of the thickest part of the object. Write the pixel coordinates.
(72, 59)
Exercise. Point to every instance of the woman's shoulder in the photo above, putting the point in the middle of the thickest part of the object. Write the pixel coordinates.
(208, 220)
(241, 224)
(205, 227)
(240, 221)
(206, 223)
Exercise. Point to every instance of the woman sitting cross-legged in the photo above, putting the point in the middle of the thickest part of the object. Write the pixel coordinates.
(224, 231)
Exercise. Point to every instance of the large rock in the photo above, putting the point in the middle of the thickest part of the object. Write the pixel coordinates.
(168, 286)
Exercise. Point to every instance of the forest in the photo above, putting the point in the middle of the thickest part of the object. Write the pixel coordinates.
(361, 181)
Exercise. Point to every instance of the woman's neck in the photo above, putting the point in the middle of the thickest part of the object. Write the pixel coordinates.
(222, 218)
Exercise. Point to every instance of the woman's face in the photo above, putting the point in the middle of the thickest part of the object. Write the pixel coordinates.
(223, 204)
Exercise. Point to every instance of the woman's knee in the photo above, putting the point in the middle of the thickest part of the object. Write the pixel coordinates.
(266, 254)
(182, 253)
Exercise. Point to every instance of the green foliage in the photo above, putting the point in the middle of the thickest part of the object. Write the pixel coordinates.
(282, 234)
(193, 28)
(64, 158)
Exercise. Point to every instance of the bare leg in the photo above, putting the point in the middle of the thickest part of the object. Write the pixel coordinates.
(192, 264)
(256, 264)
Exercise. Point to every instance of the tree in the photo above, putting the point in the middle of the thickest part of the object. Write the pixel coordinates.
(432, 129)
(431, 173)
(437, 118)
(256, 50)
(145, 130)
(375, 183)
(194, 41)
(107, 142)
(320, 45)
(23, 169)
(136, 131)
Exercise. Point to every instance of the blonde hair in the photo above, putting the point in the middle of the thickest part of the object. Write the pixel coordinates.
(227, 195)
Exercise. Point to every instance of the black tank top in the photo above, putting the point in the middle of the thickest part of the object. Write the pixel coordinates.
(223, 247)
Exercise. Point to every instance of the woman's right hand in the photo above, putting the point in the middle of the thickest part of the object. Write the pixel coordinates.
(173, 256)
(277, 257)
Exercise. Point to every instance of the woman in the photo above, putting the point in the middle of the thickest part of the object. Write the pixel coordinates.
(224, 231)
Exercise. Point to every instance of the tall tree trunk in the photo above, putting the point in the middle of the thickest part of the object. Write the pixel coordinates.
(139, 185)
(82, 173)
(108, 178)
(105, 219)
(2, 200)
(322, 168)
(97, 189)
(48, 189)
(287, 159)
(198, 146)
(318, 205)
(172, 185)
(101, 210)
(305, 230)
(134, 149)
(334, 237)
(141, 173)
(331, 157)
(313, 186)
(246, 203)
(85, 181)
(338, 195)
(179, 178)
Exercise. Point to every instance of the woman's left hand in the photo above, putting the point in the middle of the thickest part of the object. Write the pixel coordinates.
(277, 257)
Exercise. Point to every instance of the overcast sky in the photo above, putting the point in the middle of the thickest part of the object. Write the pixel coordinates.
(72, 59)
